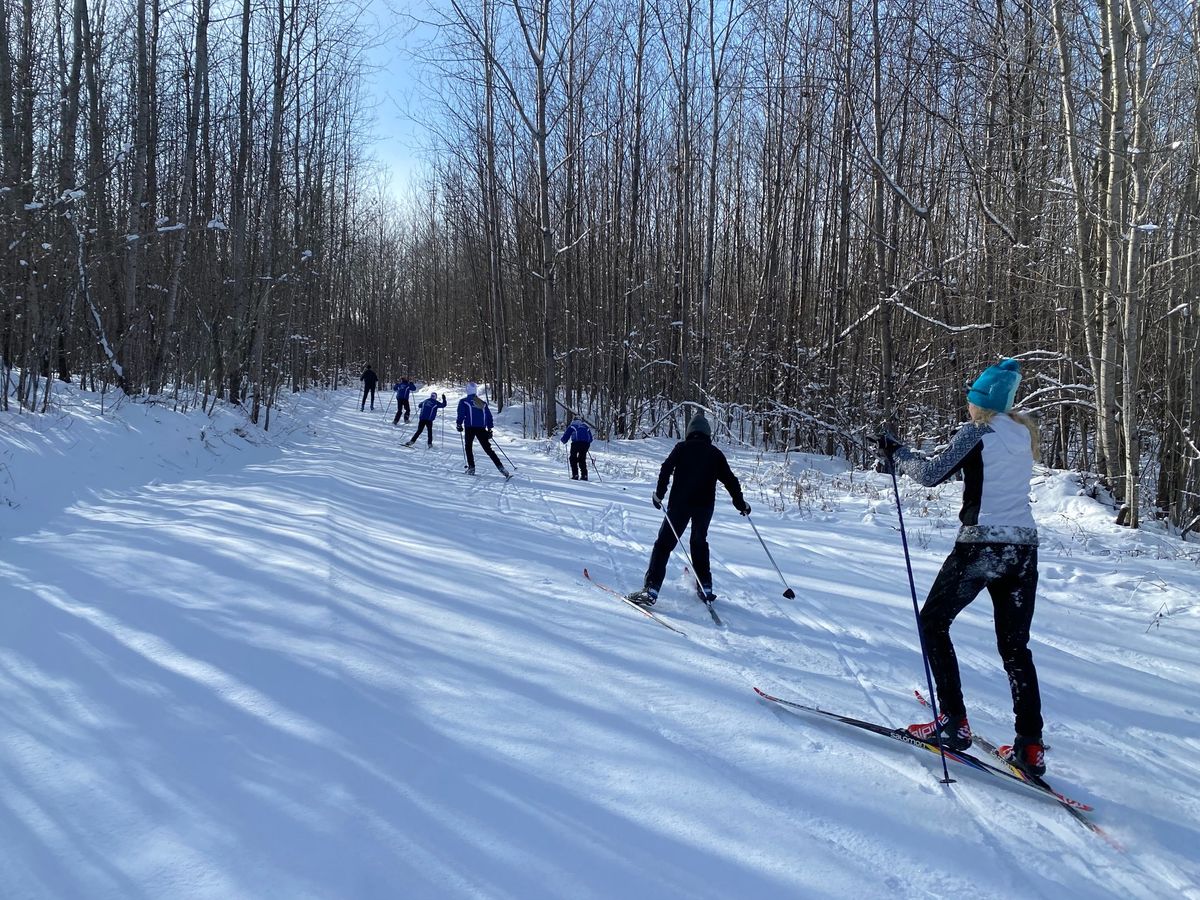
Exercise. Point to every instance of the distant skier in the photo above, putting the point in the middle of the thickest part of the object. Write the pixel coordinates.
(475, 417)
(580, 437)
(693, 467)
(426, 413)
(402, 389)
(369, 380)
(996, 548)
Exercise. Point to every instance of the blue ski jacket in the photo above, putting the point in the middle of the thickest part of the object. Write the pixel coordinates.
(403, 389)
(474, 412)
(429, 408)
(577, 431)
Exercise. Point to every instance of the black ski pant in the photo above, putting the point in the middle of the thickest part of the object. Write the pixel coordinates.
(368, 389)
(579, 452)
(424, 425)
(680, 515)
(401, 407)
(1009, 572)
(479, 434)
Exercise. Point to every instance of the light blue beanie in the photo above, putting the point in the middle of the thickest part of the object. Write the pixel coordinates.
(996, 387)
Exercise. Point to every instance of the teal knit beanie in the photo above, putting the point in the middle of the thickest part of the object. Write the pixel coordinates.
(996, 387)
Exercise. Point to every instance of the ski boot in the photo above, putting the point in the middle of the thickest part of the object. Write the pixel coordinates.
(644, 597)
(1027, 754)
(955, 731)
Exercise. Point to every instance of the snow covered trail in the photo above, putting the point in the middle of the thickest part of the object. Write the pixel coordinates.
(345, 669)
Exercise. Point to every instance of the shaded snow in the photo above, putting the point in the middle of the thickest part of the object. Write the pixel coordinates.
(316, 664)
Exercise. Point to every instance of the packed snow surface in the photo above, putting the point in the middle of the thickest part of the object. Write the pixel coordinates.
(312, 663)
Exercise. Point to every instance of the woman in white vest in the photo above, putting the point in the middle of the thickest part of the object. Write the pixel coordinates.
(996, 549)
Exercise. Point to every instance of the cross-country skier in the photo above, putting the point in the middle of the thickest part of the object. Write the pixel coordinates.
(693, 467)
(426, 413)
(580, 437)
(402, 389)
(996, 549)
(369, 380)
(475, 417)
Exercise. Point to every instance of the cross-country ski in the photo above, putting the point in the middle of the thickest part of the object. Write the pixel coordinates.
(995, 768)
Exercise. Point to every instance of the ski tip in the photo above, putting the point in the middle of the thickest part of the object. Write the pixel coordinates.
(764, 694)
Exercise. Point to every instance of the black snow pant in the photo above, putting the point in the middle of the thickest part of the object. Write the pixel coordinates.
(368, 389)
(680, 515)
(579, 452)
(1009, 572)
(401, 407)
(480, 434)
(427, 426)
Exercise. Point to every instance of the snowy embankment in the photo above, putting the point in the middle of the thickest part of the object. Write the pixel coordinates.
(314, 664)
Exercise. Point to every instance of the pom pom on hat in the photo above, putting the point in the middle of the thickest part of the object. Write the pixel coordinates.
(996, 387)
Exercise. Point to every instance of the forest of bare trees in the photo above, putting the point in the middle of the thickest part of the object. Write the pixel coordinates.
(812, 219)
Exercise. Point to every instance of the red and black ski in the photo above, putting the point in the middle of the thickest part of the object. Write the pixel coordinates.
(1074, 807)
(604, 587)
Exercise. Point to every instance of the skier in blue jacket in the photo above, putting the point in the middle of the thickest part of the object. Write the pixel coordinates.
(580, 437)
(402, 389)
(426, 413)
(475, 418)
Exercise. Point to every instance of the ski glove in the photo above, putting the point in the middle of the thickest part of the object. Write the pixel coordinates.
(887, 445)
(656, 500)
(744, 508)
(459, 426)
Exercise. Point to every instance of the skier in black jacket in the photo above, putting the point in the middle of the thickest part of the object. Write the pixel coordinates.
(369, 380)
(693, 467)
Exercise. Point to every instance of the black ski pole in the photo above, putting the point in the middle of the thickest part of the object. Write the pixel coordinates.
(496, 444)
(787, 591)
(595, 468)
(678, 540)
(912, 586)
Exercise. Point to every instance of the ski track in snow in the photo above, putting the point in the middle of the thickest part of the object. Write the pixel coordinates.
(322, 665)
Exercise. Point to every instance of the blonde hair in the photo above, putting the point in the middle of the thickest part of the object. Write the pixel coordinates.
(981, 416)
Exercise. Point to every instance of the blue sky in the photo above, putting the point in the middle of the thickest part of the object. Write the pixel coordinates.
(393, 86)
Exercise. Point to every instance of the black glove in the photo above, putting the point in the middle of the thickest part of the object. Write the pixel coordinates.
(459, 426)
(489, 432)
(743, 508)
(656, 500)
(443, 398)
(887, 445)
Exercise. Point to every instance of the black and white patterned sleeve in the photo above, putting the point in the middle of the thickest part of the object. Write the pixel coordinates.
(937, 469)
